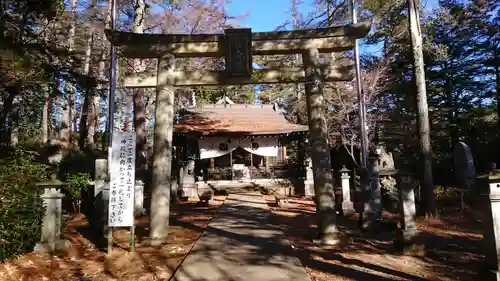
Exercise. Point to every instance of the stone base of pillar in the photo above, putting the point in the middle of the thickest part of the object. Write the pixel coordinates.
(152, 242)
(188, 190)
(51, 247)
(331, 239)
(101, 210)
(367, 220)
(411, 243)
(309, 188)
(139, 199)
(348, 208)
(369, 223)
(204, 192)
(174, 191)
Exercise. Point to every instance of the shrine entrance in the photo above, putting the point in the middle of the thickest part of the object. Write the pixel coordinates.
(237, 47)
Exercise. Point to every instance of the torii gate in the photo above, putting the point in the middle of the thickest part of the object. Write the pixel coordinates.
(238, 46)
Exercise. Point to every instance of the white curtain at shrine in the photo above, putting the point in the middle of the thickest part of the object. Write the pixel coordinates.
(263, 146)
(217, 147)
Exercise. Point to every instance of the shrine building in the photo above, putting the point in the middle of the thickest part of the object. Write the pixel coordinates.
(227, 144)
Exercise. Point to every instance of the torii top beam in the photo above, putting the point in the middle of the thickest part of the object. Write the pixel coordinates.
(330, 39)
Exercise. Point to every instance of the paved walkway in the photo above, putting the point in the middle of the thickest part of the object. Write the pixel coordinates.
(240, 244)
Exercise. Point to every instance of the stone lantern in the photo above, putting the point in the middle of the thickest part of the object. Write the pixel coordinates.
(50, 240)
(410, 240)
(347, 204)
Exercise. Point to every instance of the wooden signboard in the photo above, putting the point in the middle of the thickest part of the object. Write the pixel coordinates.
(238, 52)
(121, 198)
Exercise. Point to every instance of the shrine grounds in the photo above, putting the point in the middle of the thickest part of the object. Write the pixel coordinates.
(453, 247)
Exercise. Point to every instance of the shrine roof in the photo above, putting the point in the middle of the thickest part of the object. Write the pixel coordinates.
(235, 119)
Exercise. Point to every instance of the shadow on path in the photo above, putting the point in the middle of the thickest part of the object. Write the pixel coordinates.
(243, 242)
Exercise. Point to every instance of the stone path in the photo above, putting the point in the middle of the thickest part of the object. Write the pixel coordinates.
(241, 244)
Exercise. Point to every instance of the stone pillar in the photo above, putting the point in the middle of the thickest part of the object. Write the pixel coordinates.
(139, 198)
(188, 183)
(319, 149)
(409, 240)
(101, 175)
(376, 188)
(174, 189)
(309, 179)
(491, 235)
(372, 196)
(161, 180)
(51, 227)
(347, 204)
(101, 193)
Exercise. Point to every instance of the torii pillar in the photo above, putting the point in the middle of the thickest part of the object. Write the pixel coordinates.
(161, 181)
(320, 151)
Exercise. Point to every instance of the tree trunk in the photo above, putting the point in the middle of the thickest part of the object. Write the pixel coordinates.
(45, 116)
(100, 87)
(14, 121)
(74, 112)
(128, 112)
(140, 129)
(140, 125)
(69, 96)
(65, 124)
(162, 153)
(107, 25)
(87, 136)
(320, 152)
(86, 112)
(57, 106)
(6, 113)
(428, 204)
(453, 127)
(497, 79)
(46, 98)
(94, 121)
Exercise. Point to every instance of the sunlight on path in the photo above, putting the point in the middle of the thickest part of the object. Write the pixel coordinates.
(241, 244)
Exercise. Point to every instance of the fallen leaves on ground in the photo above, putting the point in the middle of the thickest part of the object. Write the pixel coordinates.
(453, 247)
(84, 261)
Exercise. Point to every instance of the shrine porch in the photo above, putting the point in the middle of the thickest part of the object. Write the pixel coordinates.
(286, 187)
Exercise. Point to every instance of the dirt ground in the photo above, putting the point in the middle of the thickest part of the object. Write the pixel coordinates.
(85, 262)
(453, 249)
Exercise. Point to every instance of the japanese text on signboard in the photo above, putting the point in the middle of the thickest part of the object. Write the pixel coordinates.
(121, 197)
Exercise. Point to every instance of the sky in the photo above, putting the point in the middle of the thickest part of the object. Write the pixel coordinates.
(266, 15)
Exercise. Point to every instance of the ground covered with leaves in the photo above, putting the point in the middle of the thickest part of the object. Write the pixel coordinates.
(453, 247)
(85, 261)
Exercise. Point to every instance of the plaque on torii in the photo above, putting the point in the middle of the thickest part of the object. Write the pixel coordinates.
(238, 52)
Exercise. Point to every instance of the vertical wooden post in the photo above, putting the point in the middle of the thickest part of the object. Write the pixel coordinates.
(231, 164)
(320, 152)
(251, 164)
(162, 152)
(110, 239)
(132, 238)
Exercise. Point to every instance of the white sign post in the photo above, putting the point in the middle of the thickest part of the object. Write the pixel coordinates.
(122, 181)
